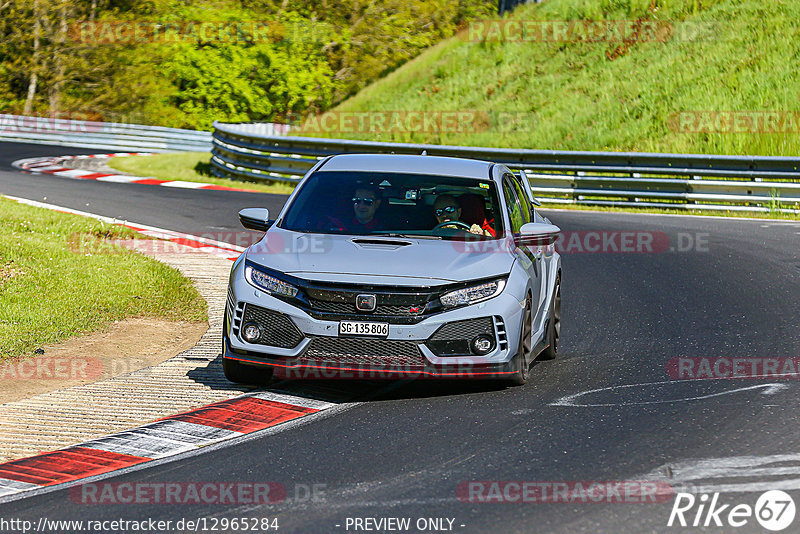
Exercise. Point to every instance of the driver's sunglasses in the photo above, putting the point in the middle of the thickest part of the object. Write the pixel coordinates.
(366, 201)
(441, 211)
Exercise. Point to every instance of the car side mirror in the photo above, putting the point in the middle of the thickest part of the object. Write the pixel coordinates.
(540, 234)
(255, 219)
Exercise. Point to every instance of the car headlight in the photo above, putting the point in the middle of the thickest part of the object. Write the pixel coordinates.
(268, 283)
(471, 295)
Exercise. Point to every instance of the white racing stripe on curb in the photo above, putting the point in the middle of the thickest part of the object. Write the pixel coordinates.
(185, 185)
(191, 433)
(169, 437)
(138, 442)
(37, 167)
(156, 442)
(34, 490)
(49, 168)
(9, 487)
(51, 165)
(73, 173)
(116, 178)
(291, 399)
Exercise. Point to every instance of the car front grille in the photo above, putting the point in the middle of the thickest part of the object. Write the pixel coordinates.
(392, 304)
(277, 329)
(369, 352)
(349, 308)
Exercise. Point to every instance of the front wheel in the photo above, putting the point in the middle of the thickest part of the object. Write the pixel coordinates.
(554, 325)
(522, 359)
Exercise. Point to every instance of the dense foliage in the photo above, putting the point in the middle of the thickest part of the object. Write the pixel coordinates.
(185, 64)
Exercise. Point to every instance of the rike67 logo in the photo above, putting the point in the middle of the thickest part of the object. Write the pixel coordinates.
(774, 510)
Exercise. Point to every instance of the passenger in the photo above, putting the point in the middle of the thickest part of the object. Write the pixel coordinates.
(446, 209)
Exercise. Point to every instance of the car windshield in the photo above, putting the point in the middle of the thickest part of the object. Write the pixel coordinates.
(396, 204)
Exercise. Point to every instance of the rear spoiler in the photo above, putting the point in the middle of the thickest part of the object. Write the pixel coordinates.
(526, 184)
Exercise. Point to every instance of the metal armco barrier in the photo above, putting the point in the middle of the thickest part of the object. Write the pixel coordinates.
(676, 181)
(101, 135)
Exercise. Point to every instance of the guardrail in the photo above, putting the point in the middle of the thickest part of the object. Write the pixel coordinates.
(675, 181)
(101, 135)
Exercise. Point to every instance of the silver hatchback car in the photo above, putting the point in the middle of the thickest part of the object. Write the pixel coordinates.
(396, 266)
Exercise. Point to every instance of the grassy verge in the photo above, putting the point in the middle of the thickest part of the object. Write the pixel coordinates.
(604, 94)
(189, 167)
(60, 278)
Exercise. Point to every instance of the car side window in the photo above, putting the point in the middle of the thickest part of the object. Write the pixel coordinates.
(525, 204)
(513, 206)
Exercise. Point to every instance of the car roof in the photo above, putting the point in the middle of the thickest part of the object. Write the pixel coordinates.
(411, 164)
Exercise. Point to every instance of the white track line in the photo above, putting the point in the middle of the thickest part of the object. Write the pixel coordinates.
(203, 244)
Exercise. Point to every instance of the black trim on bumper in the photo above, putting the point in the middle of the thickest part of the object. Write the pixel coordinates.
(297, 368)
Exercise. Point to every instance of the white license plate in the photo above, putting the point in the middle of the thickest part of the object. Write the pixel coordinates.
(361, 328)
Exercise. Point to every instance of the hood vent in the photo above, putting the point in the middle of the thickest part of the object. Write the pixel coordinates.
(381, 243)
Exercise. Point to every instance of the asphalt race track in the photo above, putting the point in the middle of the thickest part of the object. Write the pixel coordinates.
(733, 293)
(135, 204)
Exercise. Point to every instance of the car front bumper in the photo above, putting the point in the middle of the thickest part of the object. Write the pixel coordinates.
(407, 351)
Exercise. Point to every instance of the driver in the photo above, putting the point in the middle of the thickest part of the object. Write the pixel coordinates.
(447, 209)
(365, 201)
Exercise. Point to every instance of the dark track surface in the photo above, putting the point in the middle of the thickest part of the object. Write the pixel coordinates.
(182, 210)
(404, 452)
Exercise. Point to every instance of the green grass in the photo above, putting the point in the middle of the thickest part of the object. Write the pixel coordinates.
(710, 213)
(189, 167)
(571, 96)
(59, 278)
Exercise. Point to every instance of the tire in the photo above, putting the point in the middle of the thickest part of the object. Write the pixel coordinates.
(239, 373)
(521, 359)
(246, 374)
(554, 325)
